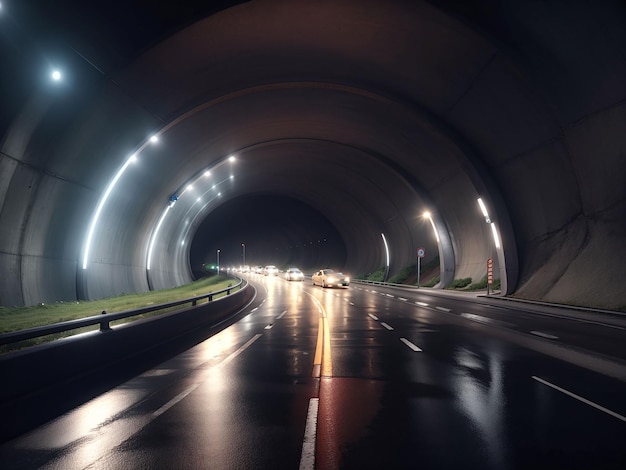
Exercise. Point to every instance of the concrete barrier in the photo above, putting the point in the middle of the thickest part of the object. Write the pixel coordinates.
(30, 370)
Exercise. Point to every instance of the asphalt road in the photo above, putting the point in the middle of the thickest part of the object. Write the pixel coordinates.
(352, 378)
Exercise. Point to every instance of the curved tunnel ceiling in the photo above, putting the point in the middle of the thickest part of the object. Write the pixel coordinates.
(362, 114)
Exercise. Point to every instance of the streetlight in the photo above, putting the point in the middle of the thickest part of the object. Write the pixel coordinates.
(218, 261)
(243, 246)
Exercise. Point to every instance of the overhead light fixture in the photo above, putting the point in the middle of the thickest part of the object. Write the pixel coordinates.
(56, 75)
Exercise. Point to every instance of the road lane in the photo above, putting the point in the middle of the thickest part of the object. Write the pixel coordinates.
(405, 385)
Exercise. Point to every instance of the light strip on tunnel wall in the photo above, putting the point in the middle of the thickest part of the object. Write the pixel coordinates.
(103, 200)
(188, 187)
(483, 209)
(386, 248)
(432, 224)
(156, 231)
(494, 231)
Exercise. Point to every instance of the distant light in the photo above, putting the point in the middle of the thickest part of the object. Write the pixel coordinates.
(56, 75)
(199, 199)
(426, 215)
(213, 187)
(207, 173)
(219, 194)
(231, 158)
(232, 177)
(154, 138)
(189, 188)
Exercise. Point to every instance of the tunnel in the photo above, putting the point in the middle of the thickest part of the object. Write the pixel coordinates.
(348, 134)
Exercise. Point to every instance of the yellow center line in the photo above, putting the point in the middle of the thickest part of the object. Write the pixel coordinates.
(322, 362)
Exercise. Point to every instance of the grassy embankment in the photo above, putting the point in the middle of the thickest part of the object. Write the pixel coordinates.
(20, 318)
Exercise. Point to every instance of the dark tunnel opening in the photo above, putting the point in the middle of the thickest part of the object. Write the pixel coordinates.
(296, 235)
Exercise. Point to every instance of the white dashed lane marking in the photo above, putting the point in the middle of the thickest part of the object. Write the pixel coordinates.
(410, 345)
(390, 328)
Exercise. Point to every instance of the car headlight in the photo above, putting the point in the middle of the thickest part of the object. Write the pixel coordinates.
(331, 279)
(347, 279)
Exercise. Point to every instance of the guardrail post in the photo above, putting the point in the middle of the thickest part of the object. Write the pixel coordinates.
(104, 324)
(210, 297)
(194, 302)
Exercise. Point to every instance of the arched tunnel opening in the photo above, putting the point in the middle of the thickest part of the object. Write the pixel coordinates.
(368, 115)
(249, 231)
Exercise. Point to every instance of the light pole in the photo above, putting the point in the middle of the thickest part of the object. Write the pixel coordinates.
(218, 262)
(243, 246)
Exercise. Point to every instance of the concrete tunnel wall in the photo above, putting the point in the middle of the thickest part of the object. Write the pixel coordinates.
(474, 102)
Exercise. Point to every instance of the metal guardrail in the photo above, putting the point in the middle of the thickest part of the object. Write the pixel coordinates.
(104, 319)
(380, 283)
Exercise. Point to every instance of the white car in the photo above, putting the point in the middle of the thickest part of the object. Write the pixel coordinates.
(329, 278)
(294, 274)
(270, 270)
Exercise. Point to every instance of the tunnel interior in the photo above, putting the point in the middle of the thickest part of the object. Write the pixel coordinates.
(342, 121)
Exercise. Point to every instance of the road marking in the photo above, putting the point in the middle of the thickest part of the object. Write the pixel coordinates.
(443, 309)
(268, 327)
(373, 317)
(410, 345)
(422, 304)
(486, 320)
(281, 315)
(390, 328)
(175, 400)
(254, 309)
(403, 299)
(544, 335)
(352, 303)
(182, 395)
(322, 363)
(389, 295)
(307, 458)
(584, 400)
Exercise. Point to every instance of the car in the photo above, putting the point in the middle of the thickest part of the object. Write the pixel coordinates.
(270, 270)
(294, 274)
(330, 278)
(258, 269)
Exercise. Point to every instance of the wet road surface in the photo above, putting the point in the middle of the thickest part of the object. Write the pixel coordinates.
(354, 378)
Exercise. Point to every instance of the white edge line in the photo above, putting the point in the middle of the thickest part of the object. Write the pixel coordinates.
(410, 345)
(240, 350)
(174, 400)
(584, 400)
(390, 328)
(182, 395)
(544, 335)
(307, 458)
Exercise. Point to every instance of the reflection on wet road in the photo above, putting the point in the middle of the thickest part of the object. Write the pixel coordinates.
(357, 378)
